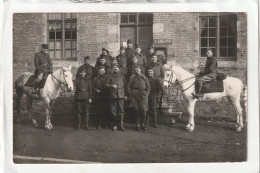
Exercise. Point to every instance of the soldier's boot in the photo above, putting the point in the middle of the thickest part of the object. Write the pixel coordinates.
(155, 119)
(114, 124)
(78, 121)
(143, 121)
(120, 123)
(86, 122)
(147, 120)
(198, 93)
(137, 123)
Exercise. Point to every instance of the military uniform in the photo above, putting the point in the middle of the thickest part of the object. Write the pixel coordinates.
(107, 58)
(101, 100)
(149, 59)
(97, 67)
(122, 62)
(157, 69)
(142, 61)
(116, 98)
(129, 53)
(89, 70)
(82, 95)
(154, 98)
(138, 88)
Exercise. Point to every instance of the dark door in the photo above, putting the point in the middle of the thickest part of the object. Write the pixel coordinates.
(145, 38)
(127, 32)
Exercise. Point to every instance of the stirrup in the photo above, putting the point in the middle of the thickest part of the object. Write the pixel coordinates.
(196, 96)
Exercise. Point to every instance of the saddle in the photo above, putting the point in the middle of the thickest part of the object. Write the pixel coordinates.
(33, 81)
(215, 85)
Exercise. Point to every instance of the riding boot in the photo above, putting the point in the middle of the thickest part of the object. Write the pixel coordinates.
(120, 123)
(86, 122)
(198, 93)
(78, 121)
(143, 119)
(114, 123)
(147, 120)
(155, 119)
(138, 123)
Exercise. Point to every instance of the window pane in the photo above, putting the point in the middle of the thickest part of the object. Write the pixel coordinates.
(212, 42)
(58, 45)
(204, 32)
(212, 32)
(74, 44)
(58, 15)
(73, 15)
(59, 35)
(231, 42)
(74, 34)
(68, 26)
(51, 45)
(51, 26)
(231, 31)
(150, 18)
(132, 18)
(67, 54)
(231, 52)
(74, 54)
(141, 18)
(203, 52)
(203, 22)
(223, 52)
(204, 42)
(223, 21)
(67, 15)
(223, 31)
(124, 18)
(51, 15)
(58, 54)
(67, 34)
(232, 25)
(58, 26)
(74, 26)
(212, 22)
(67, 44)
(51, 35)
(51, 53)
(223, 42)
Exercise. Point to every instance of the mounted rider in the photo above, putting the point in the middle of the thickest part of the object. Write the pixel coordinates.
(208, 74)
(43, 66)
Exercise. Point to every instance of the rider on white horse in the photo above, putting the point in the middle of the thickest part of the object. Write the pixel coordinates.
(43, 66)
(208, 74)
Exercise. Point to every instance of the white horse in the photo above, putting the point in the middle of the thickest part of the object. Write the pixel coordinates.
(233, 88)
(48, 94)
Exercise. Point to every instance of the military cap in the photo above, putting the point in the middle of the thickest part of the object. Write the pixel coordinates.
(105, 49)
(154, 54)
(137, 66)
(102, 57)
(150, 47)
(102, 67)
(129, 41)
(209, 49)
(122, 48)
(86, 58)
(138, 46)
(45, 46)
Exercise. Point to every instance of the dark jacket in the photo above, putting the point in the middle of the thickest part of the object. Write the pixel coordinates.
(42, 62)
(119, 80)
(158, 70)
(155, 88)
(89, 70)
(210, 67)
(83, 89)
(122, 60)
(97, 67)
(138, 84)
(129, 53)
(142, 61)
(149, 59)
(99, 83)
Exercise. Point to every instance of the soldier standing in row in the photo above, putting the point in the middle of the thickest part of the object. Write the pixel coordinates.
(83, 98)
(116, 95)
(129, 52)
(105, 53)
(141, 58)
(87, 67)
(43, 66)
(154, 96)
(138, 88)
(102, 63)
(122, 60)
(101, 100)
(156, 67)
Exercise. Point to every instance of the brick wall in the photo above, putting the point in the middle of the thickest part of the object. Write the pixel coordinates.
(97, 30)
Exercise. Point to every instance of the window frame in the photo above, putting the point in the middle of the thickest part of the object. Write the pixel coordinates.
(63, 20)
(218, 16)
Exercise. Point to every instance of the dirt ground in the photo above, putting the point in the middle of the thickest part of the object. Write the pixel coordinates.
(212, 141)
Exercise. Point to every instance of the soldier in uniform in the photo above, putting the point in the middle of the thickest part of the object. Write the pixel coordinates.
(129, 52)
(138, 88)
(154, 96)
(150, 54)
(208, 74)
(105, 53)
(122, 60)
(142, 61)
(100, 95)
(102, 63)
(116, 95)
(43, 66)
(87, 67)
(157, 68)
(83, 98)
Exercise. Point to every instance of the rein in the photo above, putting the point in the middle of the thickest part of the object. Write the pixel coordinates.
(63, 83)
(180, 82)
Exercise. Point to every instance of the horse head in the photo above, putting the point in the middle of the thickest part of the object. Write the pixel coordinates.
(67, 77)
(170, 77)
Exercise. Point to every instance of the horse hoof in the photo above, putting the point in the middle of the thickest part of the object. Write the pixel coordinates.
(51, 126)
(47, 127)
(190, 130)
(34, 123)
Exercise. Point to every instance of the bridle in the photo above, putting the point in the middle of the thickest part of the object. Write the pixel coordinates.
(177, 82)
(63, 83)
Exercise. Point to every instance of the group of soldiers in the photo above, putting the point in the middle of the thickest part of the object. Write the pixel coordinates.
(113, 80)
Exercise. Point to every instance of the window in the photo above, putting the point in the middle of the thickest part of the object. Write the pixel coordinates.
(62, 35)
(136, 18)
(218, 32)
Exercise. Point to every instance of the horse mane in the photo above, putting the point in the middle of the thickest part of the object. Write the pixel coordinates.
(180, 70)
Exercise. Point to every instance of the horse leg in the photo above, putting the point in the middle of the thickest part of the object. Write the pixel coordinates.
(51, 107)
(47, 115)
(236, 104)
(29, 106)
(191, 125)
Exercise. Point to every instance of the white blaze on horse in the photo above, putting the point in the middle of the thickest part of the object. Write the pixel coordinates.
(233, 88)
(48, 94)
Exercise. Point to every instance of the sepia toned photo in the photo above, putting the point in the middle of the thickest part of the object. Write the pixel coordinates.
(145, 87)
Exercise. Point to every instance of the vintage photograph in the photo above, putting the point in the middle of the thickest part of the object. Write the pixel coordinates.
(120, 87)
